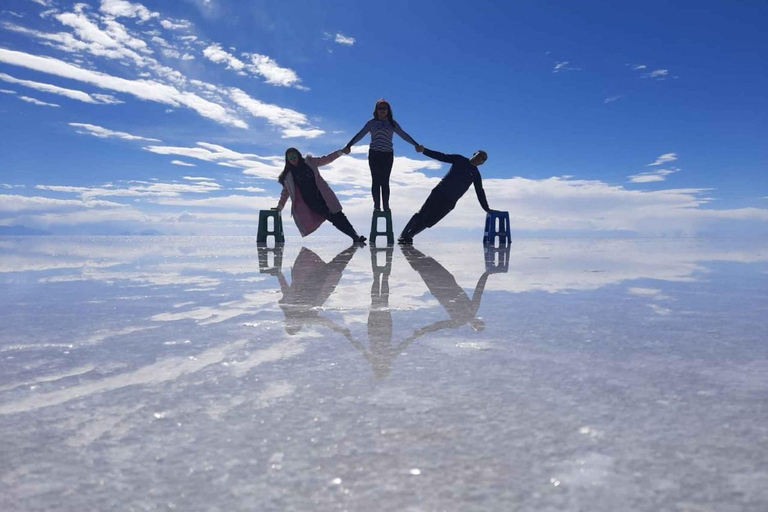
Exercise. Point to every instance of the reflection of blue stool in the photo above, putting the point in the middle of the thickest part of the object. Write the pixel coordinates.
(375, 227)
(498, 229)
(277, 227)
(497, 258)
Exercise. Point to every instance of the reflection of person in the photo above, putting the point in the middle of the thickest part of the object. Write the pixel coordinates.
(446, 194)
(380, 153)
(443, 286)
(312, 283)
(380, 352)
(312, 200)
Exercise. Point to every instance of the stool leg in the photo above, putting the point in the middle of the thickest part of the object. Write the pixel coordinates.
(487, 232)
(279, 236)
(261, 235)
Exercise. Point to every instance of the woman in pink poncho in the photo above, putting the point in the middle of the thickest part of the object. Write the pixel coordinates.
(312, 200)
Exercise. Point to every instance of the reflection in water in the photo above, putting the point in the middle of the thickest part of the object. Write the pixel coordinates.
(214, 408)
(380, 353)
(497, 258)
(443, 286)
(312, 283)
(277, 259)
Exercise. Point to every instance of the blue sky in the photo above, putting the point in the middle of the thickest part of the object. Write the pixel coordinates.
(599, 119)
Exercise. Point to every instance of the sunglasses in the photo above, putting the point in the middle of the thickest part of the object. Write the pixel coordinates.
(293, 156)
(383, 109)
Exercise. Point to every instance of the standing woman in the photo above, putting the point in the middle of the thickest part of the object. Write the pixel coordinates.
(312, 200)
(380, 154)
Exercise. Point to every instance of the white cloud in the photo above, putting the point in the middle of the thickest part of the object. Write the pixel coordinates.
(345, 40)
(6, 91)
(339, 38)
(564, 66)
(657, 74)
(16, 204)
(637, 67)
(107, 99)
(198, 178)
(309, 133)
(285, 118)
(143, 89)
(611, 99)
(183, 164)
(53, 89)
(652, 176)
(215, 53)
(272, 72)
(664, 159)
(44, 3)
(35, 101)
(251, 189)
(176, 24)
(121, 8)
(136, 189)
(104, 133)
(232, 202)
(99, 42)
(259, 65)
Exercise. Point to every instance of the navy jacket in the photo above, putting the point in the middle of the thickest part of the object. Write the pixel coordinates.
(460, 176)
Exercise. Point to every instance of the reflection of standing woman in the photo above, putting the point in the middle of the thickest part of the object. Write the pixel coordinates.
(380, 153)
(312, 200)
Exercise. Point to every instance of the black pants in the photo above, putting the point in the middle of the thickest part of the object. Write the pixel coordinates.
(431, 212)
(380, 163)
(317, 204)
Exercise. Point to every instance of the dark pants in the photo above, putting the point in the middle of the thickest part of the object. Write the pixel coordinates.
(431, 212)
(341, 222)
(316, 203)
(380, 163)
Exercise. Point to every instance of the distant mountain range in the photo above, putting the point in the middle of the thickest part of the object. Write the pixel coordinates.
(21, 231)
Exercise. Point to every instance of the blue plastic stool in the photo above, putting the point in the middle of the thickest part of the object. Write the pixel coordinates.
(375, 227)
(492, 230)
(264, 231)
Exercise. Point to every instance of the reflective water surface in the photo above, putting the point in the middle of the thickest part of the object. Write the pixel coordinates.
(205, 373)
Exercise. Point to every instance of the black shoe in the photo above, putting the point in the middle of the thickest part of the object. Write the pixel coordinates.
(376, 209)
(387, 210)
(360, 240)
(404, 240)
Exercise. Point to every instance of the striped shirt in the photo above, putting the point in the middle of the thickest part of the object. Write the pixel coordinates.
(381, 135)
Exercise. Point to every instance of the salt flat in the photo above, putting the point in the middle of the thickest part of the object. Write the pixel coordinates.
(205, 373)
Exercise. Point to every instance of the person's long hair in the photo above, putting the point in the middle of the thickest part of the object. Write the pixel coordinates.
(287, 167)
(389, 111)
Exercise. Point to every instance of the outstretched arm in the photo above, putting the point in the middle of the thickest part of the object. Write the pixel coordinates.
(480, 191)
(478, 293)
(403, 135)
(437, 326)
(359, 135)
(449, 159)
(325, 159)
